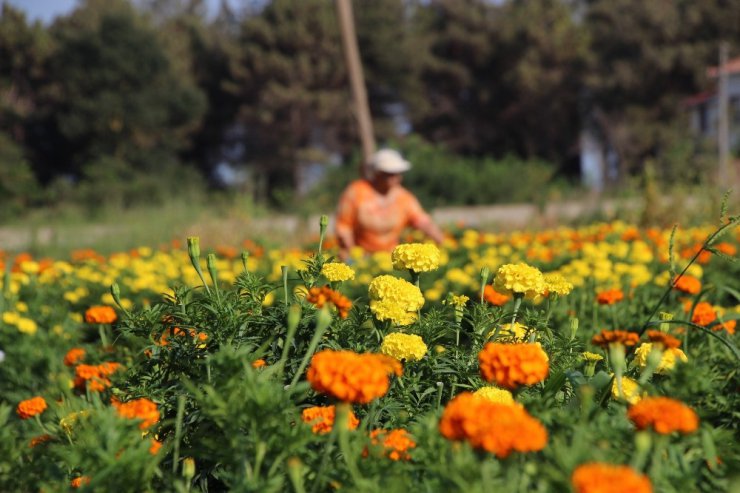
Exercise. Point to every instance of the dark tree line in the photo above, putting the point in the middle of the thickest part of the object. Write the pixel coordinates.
(153, 91)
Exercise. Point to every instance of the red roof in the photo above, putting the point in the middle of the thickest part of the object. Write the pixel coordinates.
(732, 67)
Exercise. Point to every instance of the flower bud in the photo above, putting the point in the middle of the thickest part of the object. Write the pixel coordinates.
(294, 317)
(245, 258)
(573, 328)
(188, 468)
(194, 246)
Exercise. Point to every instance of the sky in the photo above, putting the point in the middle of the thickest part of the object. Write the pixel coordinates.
(46, 10)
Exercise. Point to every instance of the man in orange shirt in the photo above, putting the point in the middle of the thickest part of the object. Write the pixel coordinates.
(373, 212)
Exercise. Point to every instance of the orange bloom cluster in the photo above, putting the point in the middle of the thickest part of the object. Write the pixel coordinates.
(704, 313)
(200, 336)
(86, 254)
(321, 419)
(396, 443)
(100, 314)
(31, 407)
(667, 340)
(607, 478)
(664, 415)
(348, 376)
(492, 426)
(726, 248)
(392, 365)
(95, 376)
(141, 408)
(624, 337)
(609, 297)
(729, 326)
(703, 257)
(512, 365)
(80, 481)
(74, 356)
(494, 297)
(687, 284)
(259, 363)
(36, 441)
(324, 295)
(155, 446)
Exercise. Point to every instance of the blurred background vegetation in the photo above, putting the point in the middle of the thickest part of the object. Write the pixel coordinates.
(123, 104)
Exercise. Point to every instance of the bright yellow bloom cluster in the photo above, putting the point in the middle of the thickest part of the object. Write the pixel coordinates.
(667, 360)
(519, 279)
(394, 299)
(407, 347)
(591, 356)
(631, 388)
(495, 394)
(23, 324)
(458, 301)
(337, 272)
(557, 284)
(417, 257)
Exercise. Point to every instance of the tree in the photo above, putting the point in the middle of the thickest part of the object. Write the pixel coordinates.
(116, 94)
(292, 88)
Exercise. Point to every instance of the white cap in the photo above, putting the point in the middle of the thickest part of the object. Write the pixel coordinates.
(388, 161)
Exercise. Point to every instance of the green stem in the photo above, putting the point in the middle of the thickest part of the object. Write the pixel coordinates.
(103, 336)
(342, 422)
(322, 323)
(325, 458)
(178, 431)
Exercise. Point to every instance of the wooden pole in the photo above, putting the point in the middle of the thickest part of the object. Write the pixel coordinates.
(357, 81)
(723, 133)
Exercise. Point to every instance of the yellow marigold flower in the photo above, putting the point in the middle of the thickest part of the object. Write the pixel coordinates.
(667, 360)
(407, 347)
(631, 390)
(555, 283)
(519, 279)
(67, 423)
(11, 318)
(458, 301)
(394, 299)
(27, 326)
(518, 332)
(417, 257)
(606, 478)
(495, 394)
(591, 356)
(337, 272)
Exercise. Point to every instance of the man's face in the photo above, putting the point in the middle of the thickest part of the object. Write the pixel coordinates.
(386, 181)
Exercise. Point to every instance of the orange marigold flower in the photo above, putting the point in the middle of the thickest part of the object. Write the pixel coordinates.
(31, 407)
(323, 295)
(80, 481)
(512, 365)
(100, 315)
(35, 441)
(687, 284)
(607, 478)
(392, 365)
(396, 443)
(259, 363)
(74, 356)
(609, 297)
(492, 426)
(348, 376)
(142, 409)
(704, 313)
(321, 419)
(667, 340)
(726, 248)
(664, 415)
(729, 326)
(94, 376)
(624, 337)
(155, 446)
(494, 297)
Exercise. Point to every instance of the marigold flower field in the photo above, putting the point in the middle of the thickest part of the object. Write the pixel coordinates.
(597, 359)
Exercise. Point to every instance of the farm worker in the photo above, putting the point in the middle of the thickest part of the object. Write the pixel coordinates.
(373, 212)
